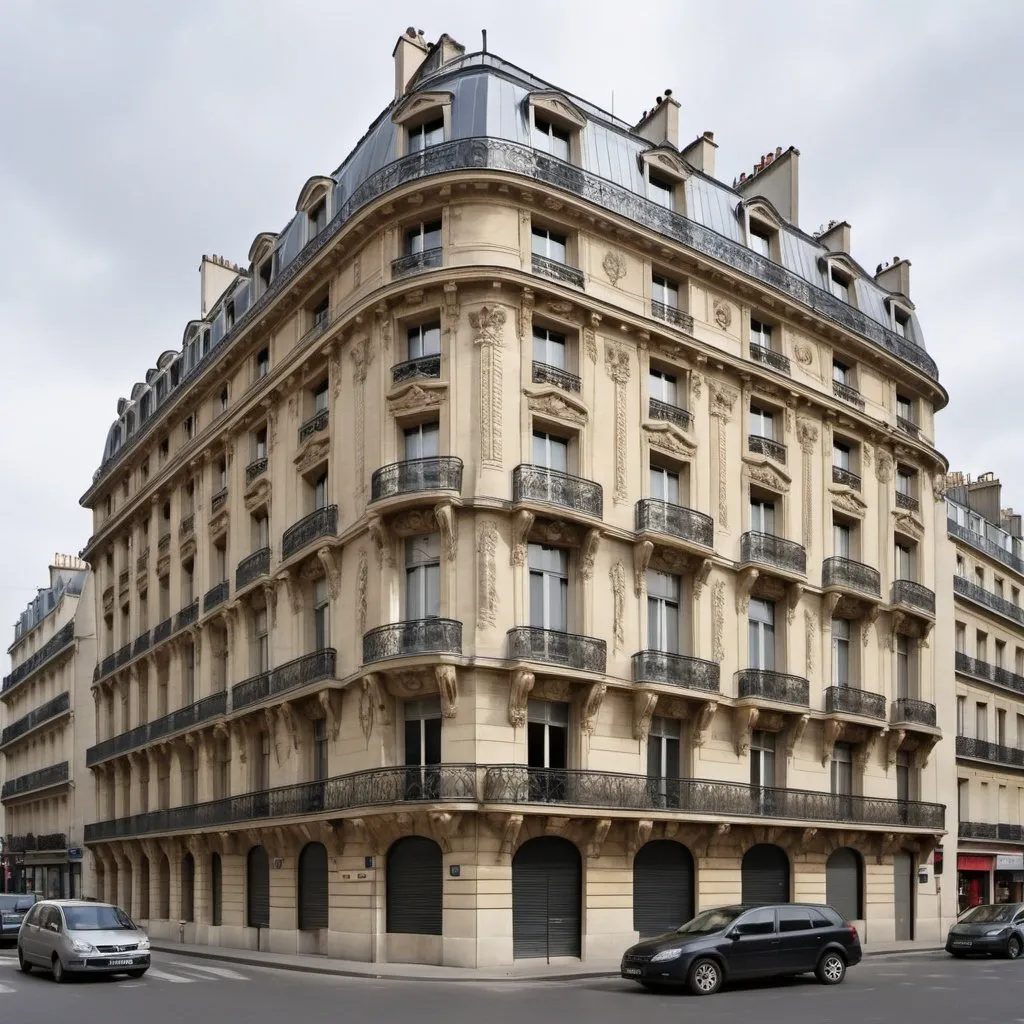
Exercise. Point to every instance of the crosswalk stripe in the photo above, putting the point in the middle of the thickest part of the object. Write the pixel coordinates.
(164, 976)
(4, 989)
(220, 972)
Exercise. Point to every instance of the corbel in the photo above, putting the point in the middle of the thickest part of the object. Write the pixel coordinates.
(448, 688)
(744, 585)
(286, 716)
(444, 827)
(642, 551)
(866, 749)
(793, 594)
(290, 581)
(557, 825)
(830, 734)
(522, 524)
(744, 721)
(444, 515)
(331, 701)
(588, 552)
(795, 733)
(508, 827)
(893, 741)
(594, 697)
(270, 722)
(637, 835)
(519, 691)
(595, 843)
(382, 541)
(644, 703)
(332, 569)
(702, 722)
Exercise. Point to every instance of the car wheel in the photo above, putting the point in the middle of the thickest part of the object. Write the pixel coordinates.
(1013, 948)
(59, 974)
(957, 954)
(137, 973)
(705, 977)
(25, 966)
(831, 969)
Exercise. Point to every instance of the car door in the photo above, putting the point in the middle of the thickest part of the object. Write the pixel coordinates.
(27, 936)
(753, 944)
(799, 942)
(49, 934)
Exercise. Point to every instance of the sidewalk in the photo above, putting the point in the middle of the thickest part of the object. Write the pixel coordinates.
(562, 970)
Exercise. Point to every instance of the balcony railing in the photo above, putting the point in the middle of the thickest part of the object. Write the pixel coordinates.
(1004, 832)
(764, 684)
(993, 602)
(181, 720)
(849, 700)
(663, 517)
(848, 394)
(676, 670)
(850, 575)
(416, 369)
(123, 655)
(310, 668)
(668, 413)
(989, 547)
(994, 674)
(769, 357)
(53, 708)
(252, 567)
(255, 469)
(437, 473)
(913, 595)
(188, 526)
(141, 645)
(673, 316)
(531, 643)
(314, 424)
(846, 478)
(415, 262)
(142, 562)
(907, 501)
(412, 637)
(219, 500)
(50, 842)
(768, 549)
(162, 631)
(43, 778)
(216, 595)
(123, 579)
(106, 666)
(767, 446)
(60, 641)
(982, 750)
(557, 271)
(187, 615)
(321, 523)
(552, 487)
(545, 373)
(908, 711)
(163, 545)
(908, 426)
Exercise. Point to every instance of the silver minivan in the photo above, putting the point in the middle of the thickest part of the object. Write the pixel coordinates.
(72, 936)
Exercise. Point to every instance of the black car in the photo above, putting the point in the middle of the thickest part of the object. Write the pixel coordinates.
(989, 928)
(13, 908)
(741, 942)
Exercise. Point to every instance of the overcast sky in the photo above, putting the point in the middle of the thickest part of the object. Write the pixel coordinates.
(136, 136)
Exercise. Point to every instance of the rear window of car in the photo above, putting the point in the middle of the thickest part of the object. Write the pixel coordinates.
(8, 903)
(794, 919)
(25, 903)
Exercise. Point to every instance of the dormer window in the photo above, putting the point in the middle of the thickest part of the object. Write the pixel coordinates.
(266, 273)
(760, 238)
(229, 316)
(661, 191)
(901, 322)
(262, 363)
(839, 284)
(317, 218)
(550, 138)
(206, 341)
(423, 136)
(424, 120)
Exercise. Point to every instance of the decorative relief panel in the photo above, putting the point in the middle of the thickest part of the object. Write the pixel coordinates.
(617, 575)
(488, 323)
(487, 574)
(617, 366)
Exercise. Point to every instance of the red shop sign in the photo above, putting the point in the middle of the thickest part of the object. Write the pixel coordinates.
(973, 862)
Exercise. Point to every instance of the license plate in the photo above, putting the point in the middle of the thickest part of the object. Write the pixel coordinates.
(962, 942)
(631, 970)
(122, 963)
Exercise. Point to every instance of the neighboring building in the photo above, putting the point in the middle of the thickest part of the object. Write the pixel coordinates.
(48, 725)
(988, 632)
(491, 574)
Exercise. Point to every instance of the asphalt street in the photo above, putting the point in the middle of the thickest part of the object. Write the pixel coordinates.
(178, 989)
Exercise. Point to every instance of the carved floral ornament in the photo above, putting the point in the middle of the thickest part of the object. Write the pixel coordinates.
(550, 403)
(488, 323)
(614, 266)
(722, 313)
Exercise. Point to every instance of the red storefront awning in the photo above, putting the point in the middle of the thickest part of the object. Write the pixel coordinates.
(973, 862)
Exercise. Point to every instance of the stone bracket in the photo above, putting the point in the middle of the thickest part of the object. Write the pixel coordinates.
(831, 730)
(745, 581)
(328, 559)
(382, 541)
(591, 706)
(642, 551)
(795, 733)
(744, 721)
(508, 827)
(702, 722)
(444, 826)
(588, 552)
(595, 843)
(331, 702)
(448, 688)
(637, 834)
(448, 524)
(519, 692)
(644, 703)
(522, 523)
(893, 740)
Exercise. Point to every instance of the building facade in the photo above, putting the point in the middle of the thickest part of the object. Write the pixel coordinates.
(47, 727)
(492, 574)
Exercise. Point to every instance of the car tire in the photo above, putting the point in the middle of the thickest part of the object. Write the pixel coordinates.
(831, 968)
(653, 986)
(705, 977)
(957, 954)
(26, 967)
(60, 975)
(138, 973)
(1014, 948)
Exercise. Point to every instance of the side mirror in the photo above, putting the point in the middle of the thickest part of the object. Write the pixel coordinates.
(733, 933)
(54, 927)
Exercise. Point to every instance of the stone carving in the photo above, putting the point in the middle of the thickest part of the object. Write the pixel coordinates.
(940, 484)
(616, 364)
(386, 329)
(642, 551)
(723, 398)
(847, 501)
(526, 304)
(811, 636)
(644, 704)
(361, 353)
(590, 336)
(722, 313)
(416, 399)
(328, 559)
(488, 324)
(617, 575)
(700, 576)
(770, 477)
(522, 523)
(448, 523)
(448, 688)
(487, 574)
(554, 405)
(562, 308)
(602, 826)
(866, 452)
(334, 372)
(382, 540)
(807, 435)
(614, 266)
(519, 692)
(666, 437)
(373, 704)
(314, 452)
(450, 307)
(588, 552)
(804, 353)
(905, 523)
(883, 466)
(697, 385)
(362, 582)
(718, 621)
(357, 271)
(591, 706)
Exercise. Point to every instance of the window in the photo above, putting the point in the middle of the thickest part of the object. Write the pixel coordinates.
(661, 191)
(144, 470)
(997, 586)
(961, 716)
(905, 410)
(842, 769)
(665, 291)
(262, 363)
(321, 616)
(189, 776)
(663, 593)
(321, 312)
(222, 776)
(423, 576)
(423, 136)
(760, 333)
(1001, 727)
(422, 441)
(981, 721)
(260, 531)
(320, 492)
(840, 652)
(762, 515)
(901, 322)
(547, 734)
(550, 244)
(961, 565)
(1015, 595)
(842, 538)
(979, 576)
(663, 760)
(663, 387)
(222, 400)
(905, 481)
(904, 666)
(549, 348)
(220, 561)
(188, 677)
(760, 239)
(841, 456)
(762, 759)
(320, 398)
(665, 485)
(316, 219)
(961, 638)
(189, 427)
(424, 237)
(320, 769)
(762, 422)
(188, 582)
(261, 769)
(550, 451)
(1000, 654)
(904, 562)
(423, 732)
(761, 635)
(549, 587)
(550, 138)
(840, 284)
(261, 643)
(841, 373)
(229, 316)
(797, 919)
(904, 787)
(266, 273)
(424, 340)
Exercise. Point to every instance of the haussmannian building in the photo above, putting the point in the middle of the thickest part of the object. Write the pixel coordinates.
(533, 542)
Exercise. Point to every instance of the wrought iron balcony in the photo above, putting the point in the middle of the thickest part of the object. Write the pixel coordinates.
(142, 562)
(123, 655)
(848, 394)
(310, 668)
(412, 637)
(531, 643)
(163, 630)
(182, 720)
(676, 670)
(552, 487)
(846, 574)
(163, 545)
(982, 750)
(255, 469)
(769, 357)
(42, 778)
(416, 369)
(673, 316)
(216, 595)
(994, 674)
(849, 700)
(545, 373)
(416, 262)
(1004, 832)
(655, 516)
(913, 595)
(51, 709)
(48, 842)
(106, 666)
(846, 478)
(908, 426)
(141, 645)
(188, 526)
(123, 579)
(187, 615)
(668, 413)
(908, 711)
(768, 549)
(413, 476)
(314, 424)
(321, 523)
(219, 500)
(767, 446)
(993, 602)
(989, 547)
(907, 501)
(764, 684)
(557, 271)
(518, 784)
(252, 567)
(62, 640)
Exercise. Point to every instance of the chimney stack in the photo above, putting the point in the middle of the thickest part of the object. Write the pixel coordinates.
(216, 275)
(660, 124)
(409, 53)
(895, 277)
(701, 153)
(836, 237)
(776, 179)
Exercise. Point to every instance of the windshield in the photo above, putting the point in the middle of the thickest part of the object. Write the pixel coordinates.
(987, 913)
(710, 921)
(96, 919)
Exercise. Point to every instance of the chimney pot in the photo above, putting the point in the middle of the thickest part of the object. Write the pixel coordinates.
(668, 92)
(658, 101)
(778, 151)
(710, 136)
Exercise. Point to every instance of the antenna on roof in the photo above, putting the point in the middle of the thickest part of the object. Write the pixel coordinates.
(483, 32)
(613, 102)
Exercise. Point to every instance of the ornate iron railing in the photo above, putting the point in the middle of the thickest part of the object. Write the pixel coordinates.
(668, 413)
(142, 562)
(845, 572)
(846, 478)
(848, 394)
(187, 615)
(531, 643)
(50, 841)
(141, 645)
(314, 424)
(1004, 832)
(416, 369)
(310, 668)
(676, 670)
(989, 547)
(252, 567)
(968, 666)
(163, 545)
(764, 684)
(255, 469)
(415, 262)
(181, 720)
(913, 594)
(993, 602)
(123, 579)
(188, 526)
(907, 501)
(60, 641)
(768, 549)
(122, 655)
(545, 373)
(163, 630)
(908, 426)
(42, 778)
(983, 750)
(108, 664)
(663, 517)
(767, 446)
(673, 316)
(219, 500)
(53, 708)
(913, 712)
(552, 487)
(321, 523)
(412, 637)
(557, 271)
(437, 473)
(216, 595)
(769, 357)
(848, 700)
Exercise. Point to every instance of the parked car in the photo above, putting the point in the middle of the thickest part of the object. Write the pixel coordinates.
(72, 936)
(742, 942)
(996, 928)
(13, 908)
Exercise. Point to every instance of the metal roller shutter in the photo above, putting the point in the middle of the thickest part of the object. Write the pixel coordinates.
(415, 886)
(215, 890)
(313, 902)
(765, 875)
(843, 883)
(188, 887)
(662, 887)
(903, 894)
(257, 879)
(546, 899)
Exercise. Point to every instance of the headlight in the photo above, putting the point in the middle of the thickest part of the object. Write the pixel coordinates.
(144, 942)
(996, 931)
(82, 947)
(665, 955)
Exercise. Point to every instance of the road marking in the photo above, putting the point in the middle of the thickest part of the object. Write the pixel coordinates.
(220, 972)
(6, 989)
(164, 976)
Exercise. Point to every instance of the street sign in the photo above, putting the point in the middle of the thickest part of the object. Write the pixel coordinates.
(75, 853)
